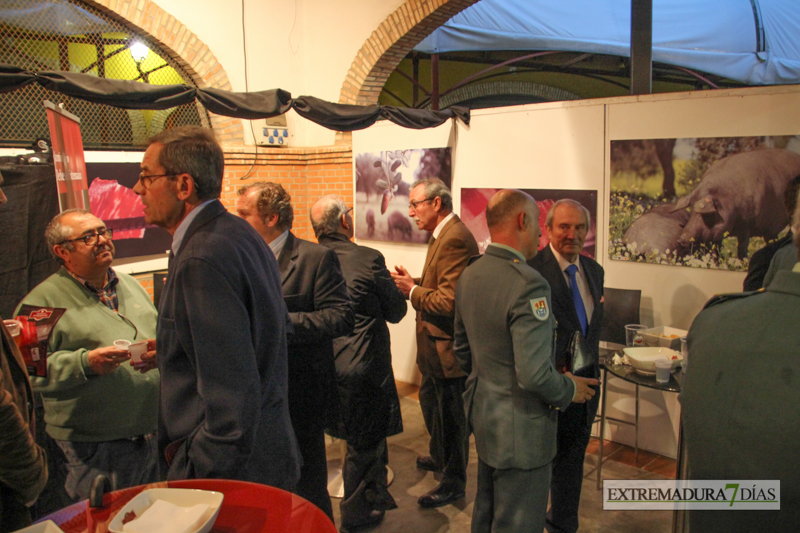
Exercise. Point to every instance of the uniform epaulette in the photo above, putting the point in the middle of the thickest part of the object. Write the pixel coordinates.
(719, 298)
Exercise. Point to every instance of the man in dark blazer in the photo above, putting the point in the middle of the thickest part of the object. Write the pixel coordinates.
(433, 297)
(737, 395)
(221, 338)
(370, 408)
(504, 339)
(567, 224)
(320, 310)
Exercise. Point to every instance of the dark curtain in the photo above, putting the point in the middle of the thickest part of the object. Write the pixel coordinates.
(250, 106)
(32, 203)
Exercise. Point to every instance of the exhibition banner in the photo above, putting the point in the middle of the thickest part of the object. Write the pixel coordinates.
(70, 166)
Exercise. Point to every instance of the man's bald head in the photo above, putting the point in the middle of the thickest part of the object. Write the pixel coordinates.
(513, 219)
(329, 215)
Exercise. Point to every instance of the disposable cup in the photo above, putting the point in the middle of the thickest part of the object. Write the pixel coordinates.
(122, 345)
(684, 353)
(137, 350)
(663, 370)
(13, 327)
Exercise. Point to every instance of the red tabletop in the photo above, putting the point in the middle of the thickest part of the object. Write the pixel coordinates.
(247, 508)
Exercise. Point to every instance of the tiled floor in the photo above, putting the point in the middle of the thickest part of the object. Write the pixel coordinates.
(410, 483)
(650, 462)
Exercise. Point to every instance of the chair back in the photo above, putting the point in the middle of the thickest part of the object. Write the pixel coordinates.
(620, 307)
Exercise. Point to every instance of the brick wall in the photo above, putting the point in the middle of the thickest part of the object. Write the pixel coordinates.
(307, 174)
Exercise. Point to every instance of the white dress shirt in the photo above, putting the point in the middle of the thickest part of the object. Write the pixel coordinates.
(580, 277)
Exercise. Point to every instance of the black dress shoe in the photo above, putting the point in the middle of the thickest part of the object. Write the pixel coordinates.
(441, 495)
(427, 463)
(371, 519)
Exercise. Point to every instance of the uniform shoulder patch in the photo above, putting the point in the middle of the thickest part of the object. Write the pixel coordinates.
(540, 308)
(721, 298)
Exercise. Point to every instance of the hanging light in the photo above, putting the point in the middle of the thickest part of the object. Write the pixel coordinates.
(139, 51)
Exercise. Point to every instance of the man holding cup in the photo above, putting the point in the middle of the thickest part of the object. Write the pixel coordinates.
(101, 411)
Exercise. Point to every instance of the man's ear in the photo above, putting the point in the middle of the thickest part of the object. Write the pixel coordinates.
(185, 187)
(272, 220)
(61, 252)
(345, 225)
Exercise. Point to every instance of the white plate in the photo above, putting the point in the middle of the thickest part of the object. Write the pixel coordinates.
(179, 497)
(645, 358)
(47, 526)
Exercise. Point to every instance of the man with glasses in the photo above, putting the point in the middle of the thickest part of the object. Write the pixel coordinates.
(223, 410)
(433, 297)
(100, 410)
(370, 408)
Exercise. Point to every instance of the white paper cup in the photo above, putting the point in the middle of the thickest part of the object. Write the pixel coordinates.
(122, 345)
(137, 350)
(663, 370)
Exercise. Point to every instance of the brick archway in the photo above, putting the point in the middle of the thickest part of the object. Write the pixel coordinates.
(184, 47)
(391, 42)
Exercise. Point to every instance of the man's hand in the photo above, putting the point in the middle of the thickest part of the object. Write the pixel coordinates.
(148, 358)
(106, 360)
(403, 280)
(583, 388)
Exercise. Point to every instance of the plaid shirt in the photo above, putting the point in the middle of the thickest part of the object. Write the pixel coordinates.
(108, 294)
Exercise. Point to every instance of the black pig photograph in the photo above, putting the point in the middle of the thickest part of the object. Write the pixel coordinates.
(699, 202)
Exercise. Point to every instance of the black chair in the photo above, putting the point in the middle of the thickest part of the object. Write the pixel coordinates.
(621, 307)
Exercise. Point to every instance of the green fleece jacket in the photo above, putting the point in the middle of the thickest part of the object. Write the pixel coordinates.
(80, 405)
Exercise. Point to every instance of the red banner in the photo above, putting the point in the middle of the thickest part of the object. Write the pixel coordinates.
(67, 145)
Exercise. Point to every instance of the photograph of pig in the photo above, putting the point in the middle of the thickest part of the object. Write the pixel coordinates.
(699, 202)
(473, 213)
(383, 182)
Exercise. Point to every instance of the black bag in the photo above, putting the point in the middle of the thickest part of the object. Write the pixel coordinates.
(582, 357)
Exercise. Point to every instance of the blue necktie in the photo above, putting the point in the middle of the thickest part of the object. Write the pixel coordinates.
(576, 297)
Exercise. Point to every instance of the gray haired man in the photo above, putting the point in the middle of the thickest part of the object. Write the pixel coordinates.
(370, 408)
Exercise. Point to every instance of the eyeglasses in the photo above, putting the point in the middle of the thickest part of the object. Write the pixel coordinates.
(347, 211)
(92, 238)
(413, 204)
(147, 181)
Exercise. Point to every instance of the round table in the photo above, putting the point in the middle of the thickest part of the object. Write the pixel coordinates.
(247, 508)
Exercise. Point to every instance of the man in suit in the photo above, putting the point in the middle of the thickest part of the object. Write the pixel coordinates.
(433, 297)
(762, 267)
(504, 340)
(737, 395)
(221, 337)
(576, 283)
(370, 408)
(319, 308)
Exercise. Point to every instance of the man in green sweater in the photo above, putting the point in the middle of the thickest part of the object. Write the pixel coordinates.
(100, 410)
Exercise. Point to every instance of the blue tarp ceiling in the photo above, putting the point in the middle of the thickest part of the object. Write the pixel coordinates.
(756, 42)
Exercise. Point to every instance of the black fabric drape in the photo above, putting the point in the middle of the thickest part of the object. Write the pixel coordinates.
(118, 93)
(249, 106)
(25, 260)
(13, 78)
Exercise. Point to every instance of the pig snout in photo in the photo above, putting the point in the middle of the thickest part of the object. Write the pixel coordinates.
(740, 196)
(658, 231)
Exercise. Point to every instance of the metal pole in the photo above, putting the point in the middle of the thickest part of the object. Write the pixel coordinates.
(641, 46)
(435, 82)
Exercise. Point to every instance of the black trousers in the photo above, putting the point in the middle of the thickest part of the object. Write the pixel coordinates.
(574, 431)
(313, 484)
(442, 404)
(365, 483)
